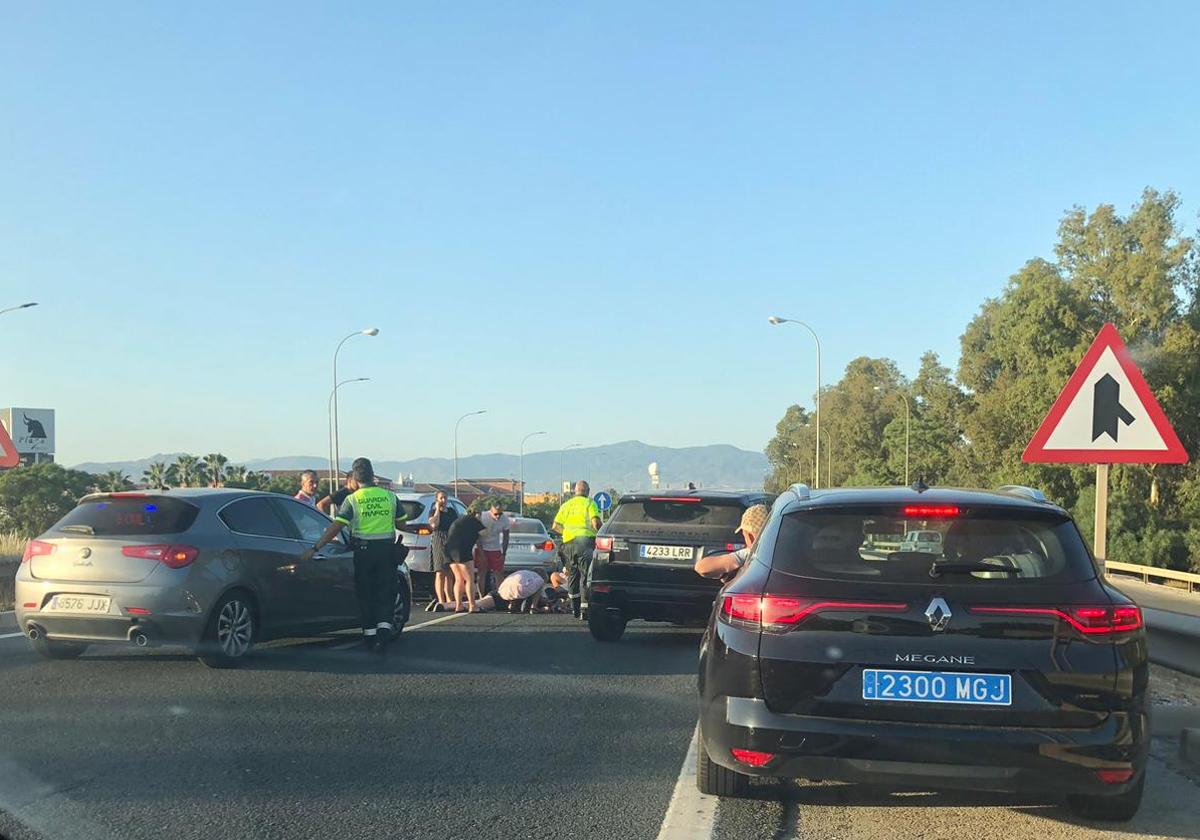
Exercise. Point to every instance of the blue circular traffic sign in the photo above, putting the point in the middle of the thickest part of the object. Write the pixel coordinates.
(602, 500)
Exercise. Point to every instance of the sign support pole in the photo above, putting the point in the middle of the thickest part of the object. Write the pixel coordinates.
(1100, 540)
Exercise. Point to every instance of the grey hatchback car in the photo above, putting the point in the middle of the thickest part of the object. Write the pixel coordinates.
(215, 570)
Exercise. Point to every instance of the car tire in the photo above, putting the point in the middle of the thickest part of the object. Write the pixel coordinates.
(604, 626)
(1119, 808)
(49, 649)
(715, 780)
(230, 633)
(401, 611)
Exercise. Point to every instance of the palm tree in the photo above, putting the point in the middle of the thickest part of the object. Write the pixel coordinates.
(214, 464)
(113, 481)
(236, 475)
(157, 475)
(187, 470)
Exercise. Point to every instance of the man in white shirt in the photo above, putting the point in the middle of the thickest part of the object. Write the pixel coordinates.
(720, 565)
(493, 546)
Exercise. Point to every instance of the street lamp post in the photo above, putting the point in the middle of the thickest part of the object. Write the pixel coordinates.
(333, 484)
(18, 306)
(562, 452)
(521, 505)
(337, 452)
(775, 320)
(460, 419)
(907, 424)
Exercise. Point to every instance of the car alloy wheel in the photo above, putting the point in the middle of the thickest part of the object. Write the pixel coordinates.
(235, 628)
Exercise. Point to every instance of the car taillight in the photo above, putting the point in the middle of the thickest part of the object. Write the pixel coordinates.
(1115, 776)
(604, 543)
(419, 530)
(752, 758)
(1090, 620)
(174, 556)
(37, 548)
(777, 613)
(548, 545)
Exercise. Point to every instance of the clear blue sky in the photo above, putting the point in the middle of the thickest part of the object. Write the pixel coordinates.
(577, 216)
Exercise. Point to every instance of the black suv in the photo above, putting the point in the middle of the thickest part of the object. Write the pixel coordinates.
(645, 552)
(994, 658)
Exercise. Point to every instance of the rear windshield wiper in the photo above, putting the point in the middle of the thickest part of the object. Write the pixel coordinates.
(79, 529)
(939, 569)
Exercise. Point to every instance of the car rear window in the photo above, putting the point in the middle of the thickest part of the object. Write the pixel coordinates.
(128, 517)
(986, 546)
(718, 519)
(528, 526)
(412, 510)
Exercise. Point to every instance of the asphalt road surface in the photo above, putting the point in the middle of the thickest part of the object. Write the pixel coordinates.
(473, 727)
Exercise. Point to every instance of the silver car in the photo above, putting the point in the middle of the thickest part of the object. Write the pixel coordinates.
(530, 546)
(213, 569)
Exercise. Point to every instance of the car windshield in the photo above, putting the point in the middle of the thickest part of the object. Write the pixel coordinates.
(412, 509)
(528, 526)
(704, 518)
(979, 545)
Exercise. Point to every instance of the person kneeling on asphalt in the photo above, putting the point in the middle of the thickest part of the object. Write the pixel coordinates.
(522, 591)
(724, 565)
(372, 514)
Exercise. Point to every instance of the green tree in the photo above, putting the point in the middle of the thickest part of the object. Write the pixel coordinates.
(157, 476)
(34, 498)
(113, 481)
(186, 471)
(214, 468)
(235, 476)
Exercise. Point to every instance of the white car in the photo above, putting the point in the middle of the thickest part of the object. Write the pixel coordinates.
(416, 537)
(926, 542)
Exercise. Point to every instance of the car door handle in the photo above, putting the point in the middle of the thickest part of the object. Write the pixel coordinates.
(290, 568)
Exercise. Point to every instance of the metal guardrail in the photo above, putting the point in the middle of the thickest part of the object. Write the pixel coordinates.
(1152, 574)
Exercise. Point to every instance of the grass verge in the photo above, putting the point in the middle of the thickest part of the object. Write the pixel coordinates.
(8, 568)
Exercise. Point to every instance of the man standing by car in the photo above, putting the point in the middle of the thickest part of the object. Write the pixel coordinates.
(308, 488)
(331, 503)
(720, 565)
(372, 514)
(493, 545)
(577, 520)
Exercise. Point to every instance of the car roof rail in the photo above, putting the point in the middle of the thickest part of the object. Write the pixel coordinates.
(1031, 493)
(800, 491)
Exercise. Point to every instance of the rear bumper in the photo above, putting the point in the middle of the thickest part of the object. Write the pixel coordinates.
(1058, 761)
(677, 603)
(173, 616)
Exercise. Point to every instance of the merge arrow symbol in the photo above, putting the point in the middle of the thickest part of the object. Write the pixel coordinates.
(1107, 408)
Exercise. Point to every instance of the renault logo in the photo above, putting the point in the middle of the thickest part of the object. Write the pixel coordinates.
(939, 615)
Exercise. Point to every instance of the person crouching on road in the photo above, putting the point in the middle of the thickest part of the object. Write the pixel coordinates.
(522, 591)
(460, 545)
(578, 520)
(372, 514)
(723, 565)
(440, 519)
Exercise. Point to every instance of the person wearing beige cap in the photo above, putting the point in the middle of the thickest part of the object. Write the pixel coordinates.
(720, 565)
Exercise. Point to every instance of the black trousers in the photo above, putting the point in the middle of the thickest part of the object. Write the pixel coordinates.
(577, 554)
(375, 582)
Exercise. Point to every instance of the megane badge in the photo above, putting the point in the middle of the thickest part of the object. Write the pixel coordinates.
(939, 615)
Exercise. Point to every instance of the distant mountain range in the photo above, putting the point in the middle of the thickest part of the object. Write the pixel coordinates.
(621, 465)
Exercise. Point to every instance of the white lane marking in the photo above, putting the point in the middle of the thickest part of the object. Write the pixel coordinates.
(408, 629)
(11, 635)
(690, 814)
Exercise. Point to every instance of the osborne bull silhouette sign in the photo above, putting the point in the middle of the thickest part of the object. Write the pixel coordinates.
(27, 432)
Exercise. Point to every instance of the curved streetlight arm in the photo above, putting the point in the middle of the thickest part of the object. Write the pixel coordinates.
(18, 306)
(333, 434)
(456, 425)
(332, 465)
(521, 503)
(775, 320)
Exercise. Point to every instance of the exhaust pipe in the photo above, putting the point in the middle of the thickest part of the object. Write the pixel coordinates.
(139, 638)
(35, 633)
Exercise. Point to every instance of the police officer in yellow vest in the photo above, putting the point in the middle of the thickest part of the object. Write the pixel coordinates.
(372, 514)
(577, 520)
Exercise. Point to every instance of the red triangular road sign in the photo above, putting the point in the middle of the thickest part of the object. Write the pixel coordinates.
(9, 457)
(1106, 414)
